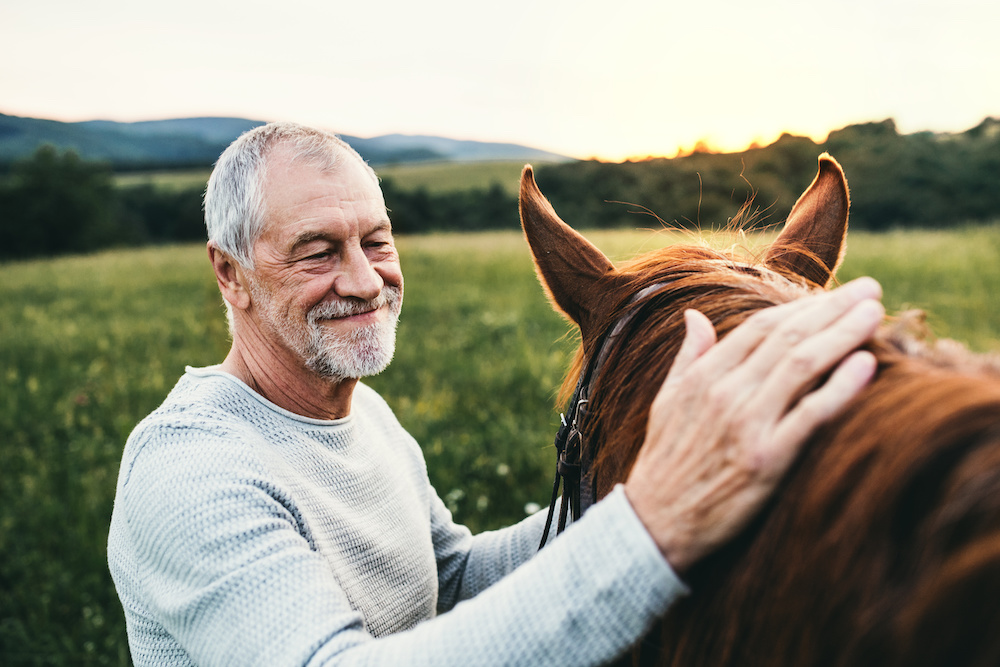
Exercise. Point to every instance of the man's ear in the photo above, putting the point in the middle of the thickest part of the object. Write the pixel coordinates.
(230, 277)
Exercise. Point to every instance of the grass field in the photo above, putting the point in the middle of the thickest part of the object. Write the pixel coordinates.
(89, 345)
(436, 177)
(168, 180)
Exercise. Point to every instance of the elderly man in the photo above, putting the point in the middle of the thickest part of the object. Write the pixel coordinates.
(273, 511)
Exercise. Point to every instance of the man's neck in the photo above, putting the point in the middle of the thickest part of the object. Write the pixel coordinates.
(285, 381)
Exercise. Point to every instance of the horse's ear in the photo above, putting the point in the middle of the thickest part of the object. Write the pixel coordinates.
(576, 275)
(812, 242)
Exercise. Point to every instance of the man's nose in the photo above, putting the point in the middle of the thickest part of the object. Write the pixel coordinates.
(358, 278)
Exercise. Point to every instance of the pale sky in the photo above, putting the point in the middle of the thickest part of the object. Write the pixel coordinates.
(605, 78)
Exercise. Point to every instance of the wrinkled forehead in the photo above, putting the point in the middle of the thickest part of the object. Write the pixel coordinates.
(293, 178)
(327, 158)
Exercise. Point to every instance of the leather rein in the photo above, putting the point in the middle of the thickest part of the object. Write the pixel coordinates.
(574, 453)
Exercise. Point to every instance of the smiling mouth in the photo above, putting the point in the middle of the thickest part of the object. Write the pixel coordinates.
(348, 316)
(357, 311)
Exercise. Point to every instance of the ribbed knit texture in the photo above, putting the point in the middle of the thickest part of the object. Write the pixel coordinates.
(244, 534)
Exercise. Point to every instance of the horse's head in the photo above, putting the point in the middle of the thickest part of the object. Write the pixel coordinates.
(883, 544)
(651, 293)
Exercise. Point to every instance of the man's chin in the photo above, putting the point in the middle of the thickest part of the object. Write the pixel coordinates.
(335, 374)
(351, 362)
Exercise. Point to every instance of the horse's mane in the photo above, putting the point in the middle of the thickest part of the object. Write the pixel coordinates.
(887, 524)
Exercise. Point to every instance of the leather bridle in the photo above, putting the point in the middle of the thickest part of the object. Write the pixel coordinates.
(574, 453)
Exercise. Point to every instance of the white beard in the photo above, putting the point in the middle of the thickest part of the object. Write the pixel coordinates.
(337, 356)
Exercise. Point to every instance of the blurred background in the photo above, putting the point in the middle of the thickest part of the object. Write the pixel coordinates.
(642, 118)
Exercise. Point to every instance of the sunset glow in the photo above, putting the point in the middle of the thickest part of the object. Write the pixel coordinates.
(582, 78)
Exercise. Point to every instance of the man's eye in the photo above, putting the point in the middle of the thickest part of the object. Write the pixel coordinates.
(379, 242)
(319, 255)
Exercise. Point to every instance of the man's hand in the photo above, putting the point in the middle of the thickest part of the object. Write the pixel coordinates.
(731, 416)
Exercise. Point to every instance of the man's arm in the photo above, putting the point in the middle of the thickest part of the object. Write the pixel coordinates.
(225, 570)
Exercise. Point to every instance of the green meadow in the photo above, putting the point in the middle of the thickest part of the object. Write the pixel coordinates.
(89, 345)
(435, 177)
(171, 180)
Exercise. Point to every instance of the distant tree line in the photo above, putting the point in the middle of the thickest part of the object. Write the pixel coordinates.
(418, 210)
(916, 180)
(56, 203)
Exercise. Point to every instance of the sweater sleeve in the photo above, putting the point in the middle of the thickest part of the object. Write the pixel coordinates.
(228, 571)
(583, 600)
(467, 564)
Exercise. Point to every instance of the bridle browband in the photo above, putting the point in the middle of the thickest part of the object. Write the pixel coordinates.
(574, 454)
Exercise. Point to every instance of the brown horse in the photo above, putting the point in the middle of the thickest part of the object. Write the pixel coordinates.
(882, 545)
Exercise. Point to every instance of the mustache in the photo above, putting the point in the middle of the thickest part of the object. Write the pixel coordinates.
(347, 307)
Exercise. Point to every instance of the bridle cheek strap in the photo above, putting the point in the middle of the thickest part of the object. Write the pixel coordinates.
(574, 455)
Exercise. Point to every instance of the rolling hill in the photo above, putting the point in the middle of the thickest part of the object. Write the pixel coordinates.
(194, 142)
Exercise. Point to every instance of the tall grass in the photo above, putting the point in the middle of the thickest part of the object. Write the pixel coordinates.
(89, 345)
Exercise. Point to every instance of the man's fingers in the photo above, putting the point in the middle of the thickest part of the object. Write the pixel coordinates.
(733, 414)
(799, 368)
(699, 337)
(817, 314)
(849, 378)
(766, 336)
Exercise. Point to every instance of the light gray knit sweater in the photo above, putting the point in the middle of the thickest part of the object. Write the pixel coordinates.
(244, 534)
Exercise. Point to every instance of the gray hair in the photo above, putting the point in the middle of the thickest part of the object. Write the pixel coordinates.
(234, 198)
